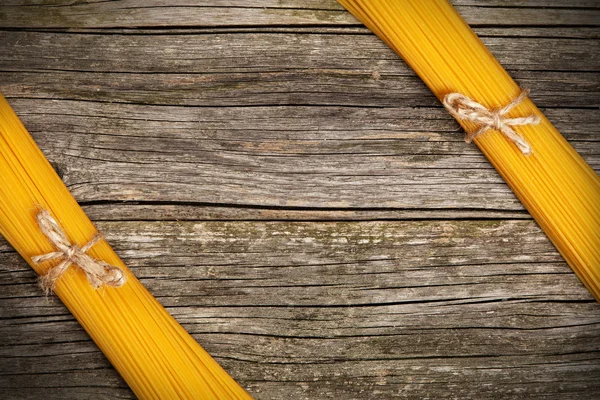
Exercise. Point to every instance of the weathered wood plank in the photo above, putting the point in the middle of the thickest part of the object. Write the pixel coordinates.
(247, 154)
(307, 307)
(267, 69)
(315, 157)
(264, 52)
(327, 87)
(155, 13)
(269, 253)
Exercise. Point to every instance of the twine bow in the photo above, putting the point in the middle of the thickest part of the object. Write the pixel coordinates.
(464, 108)
(98, 272)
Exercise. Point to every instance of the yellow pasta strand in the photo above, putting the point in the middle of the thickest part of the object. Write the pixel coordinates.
(153, 353)
(558, 188)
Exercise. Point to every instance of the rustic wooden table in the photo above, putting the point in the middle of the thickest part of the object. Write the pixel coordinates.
(293, 194)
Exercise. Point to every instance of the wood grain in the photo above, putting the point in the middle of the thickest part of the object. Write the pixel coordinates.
(299, 201)
(303, 307)
(157, 13)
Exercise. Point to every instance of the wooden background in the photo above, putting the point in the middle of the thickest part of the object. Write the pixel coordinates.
(299, 201)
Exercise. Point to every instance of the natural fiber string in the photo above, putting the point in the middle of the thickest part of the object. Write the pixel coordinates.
(464, 108)
(98, 272)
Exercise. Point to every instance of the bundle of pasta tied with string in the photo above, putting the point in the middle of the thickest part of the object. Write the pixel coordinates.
(558, 188)
(44, 223)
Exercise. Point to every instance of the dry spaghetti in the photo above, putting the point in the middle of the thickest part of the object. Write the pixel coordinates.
(153, 353)
(558, 188)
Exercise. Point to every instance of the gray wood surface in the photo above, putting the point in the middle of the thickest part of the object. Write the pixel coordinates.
(287, 187)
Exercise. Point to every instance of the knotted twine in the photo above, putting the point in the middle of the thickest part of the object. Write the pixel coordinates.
(463, 108)
(98, 272)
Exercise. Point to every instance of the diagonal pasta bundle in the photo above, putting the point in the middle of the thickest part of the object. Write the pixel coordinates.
(558, 188)
(153, 353)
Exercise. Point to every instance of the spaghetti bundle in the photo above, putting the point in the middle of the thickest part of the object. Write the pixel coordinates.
(558, 188)
(153, 353)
